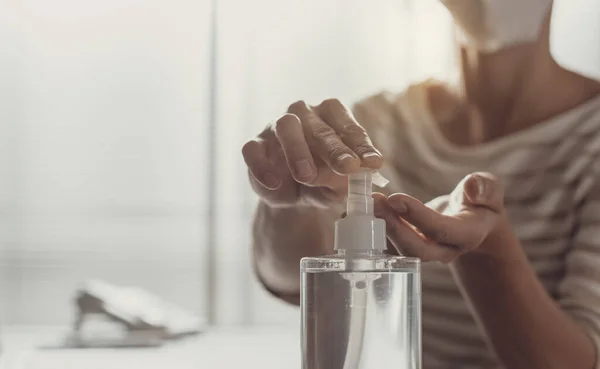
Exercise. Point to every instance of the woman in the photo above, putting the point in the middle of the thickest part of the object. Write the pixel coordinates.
(512, 272)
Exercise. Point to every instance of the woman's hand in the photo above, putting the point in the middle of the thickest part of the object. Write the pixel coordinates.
(448, 226)
(301, 157)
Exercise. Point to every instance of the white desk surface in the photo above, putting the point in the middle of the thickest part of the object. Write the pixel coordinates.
(248, 348)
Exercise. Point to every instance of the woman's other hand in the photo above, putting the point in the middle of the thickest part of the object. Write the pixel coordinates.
(448, 226)
(303, 156)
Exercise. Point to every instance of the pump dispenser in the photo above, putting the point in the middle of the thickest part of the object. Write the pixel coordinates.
(360, 230)
(361, 308)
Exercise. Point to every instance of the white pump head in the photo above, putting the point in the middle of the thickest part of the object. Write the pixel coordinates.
(360, 230)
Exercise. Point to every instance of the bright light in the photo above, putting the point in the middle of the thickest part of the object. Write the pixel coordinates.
(71, 9)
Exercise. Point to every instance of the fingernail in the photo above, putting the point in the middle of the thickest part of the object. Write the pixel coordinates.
(304, 169)
(344, 158)
(399, 206)
(371, 155)
(271, 181)
(480, 187)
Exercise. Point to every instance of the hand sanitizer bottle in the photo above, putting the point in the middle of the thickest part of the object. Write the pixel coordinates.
(361, 308)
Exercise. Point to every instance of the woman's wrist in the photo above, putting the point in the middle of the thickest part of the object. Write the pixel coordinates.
(501, 249)
(501, 243)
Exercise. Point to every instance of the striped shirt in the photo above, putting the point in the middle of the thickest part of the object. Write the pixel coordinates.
(551, 174)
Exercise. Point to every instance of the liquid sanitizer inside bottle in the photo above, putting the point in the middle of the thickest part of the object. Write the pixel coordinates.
(361, 308)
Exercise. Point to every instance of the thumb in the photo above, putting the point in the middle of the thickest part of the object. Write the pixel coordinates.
(484, 189)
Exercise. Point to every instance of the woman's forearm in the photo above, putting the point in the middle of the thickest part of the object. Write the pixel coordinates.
(282, 236)
(525, 327)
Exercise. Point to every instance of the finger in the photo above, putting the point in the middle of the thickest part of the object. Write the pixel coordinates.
(289, 132)
(398, 245)
(258, 164)
(379, 203)
(440, 228)
(321, 197)
(439, 204)
(324, 141)
(351, 133)
(484, 189)
(409, 243)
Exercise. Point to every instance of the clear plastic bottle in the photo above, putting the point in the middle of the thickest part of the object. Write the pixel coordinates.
(361, 308)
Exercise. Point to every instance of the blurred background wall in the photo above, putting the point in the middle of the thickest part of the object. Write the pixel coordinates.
(104, 136)
(121, 124)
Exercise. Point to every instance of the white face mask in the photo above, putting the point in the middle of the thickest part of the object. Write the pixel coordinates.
(491, 25)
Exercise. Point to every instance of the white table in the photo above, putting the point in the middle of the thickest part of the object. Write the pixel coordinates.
(264, 348)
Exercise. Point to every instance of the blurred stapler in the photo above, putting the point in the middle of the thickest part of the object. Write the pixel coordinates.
(130, 317)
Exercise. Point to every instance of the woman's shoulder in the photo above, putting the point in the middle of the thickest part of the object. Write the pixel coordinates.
(380, 103)
(386, 98)
(377, 113)
(435, 96)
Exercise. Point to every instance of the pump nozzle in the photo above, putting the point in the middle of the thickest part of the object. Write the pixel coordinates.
(360, 230)
(360, 200)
